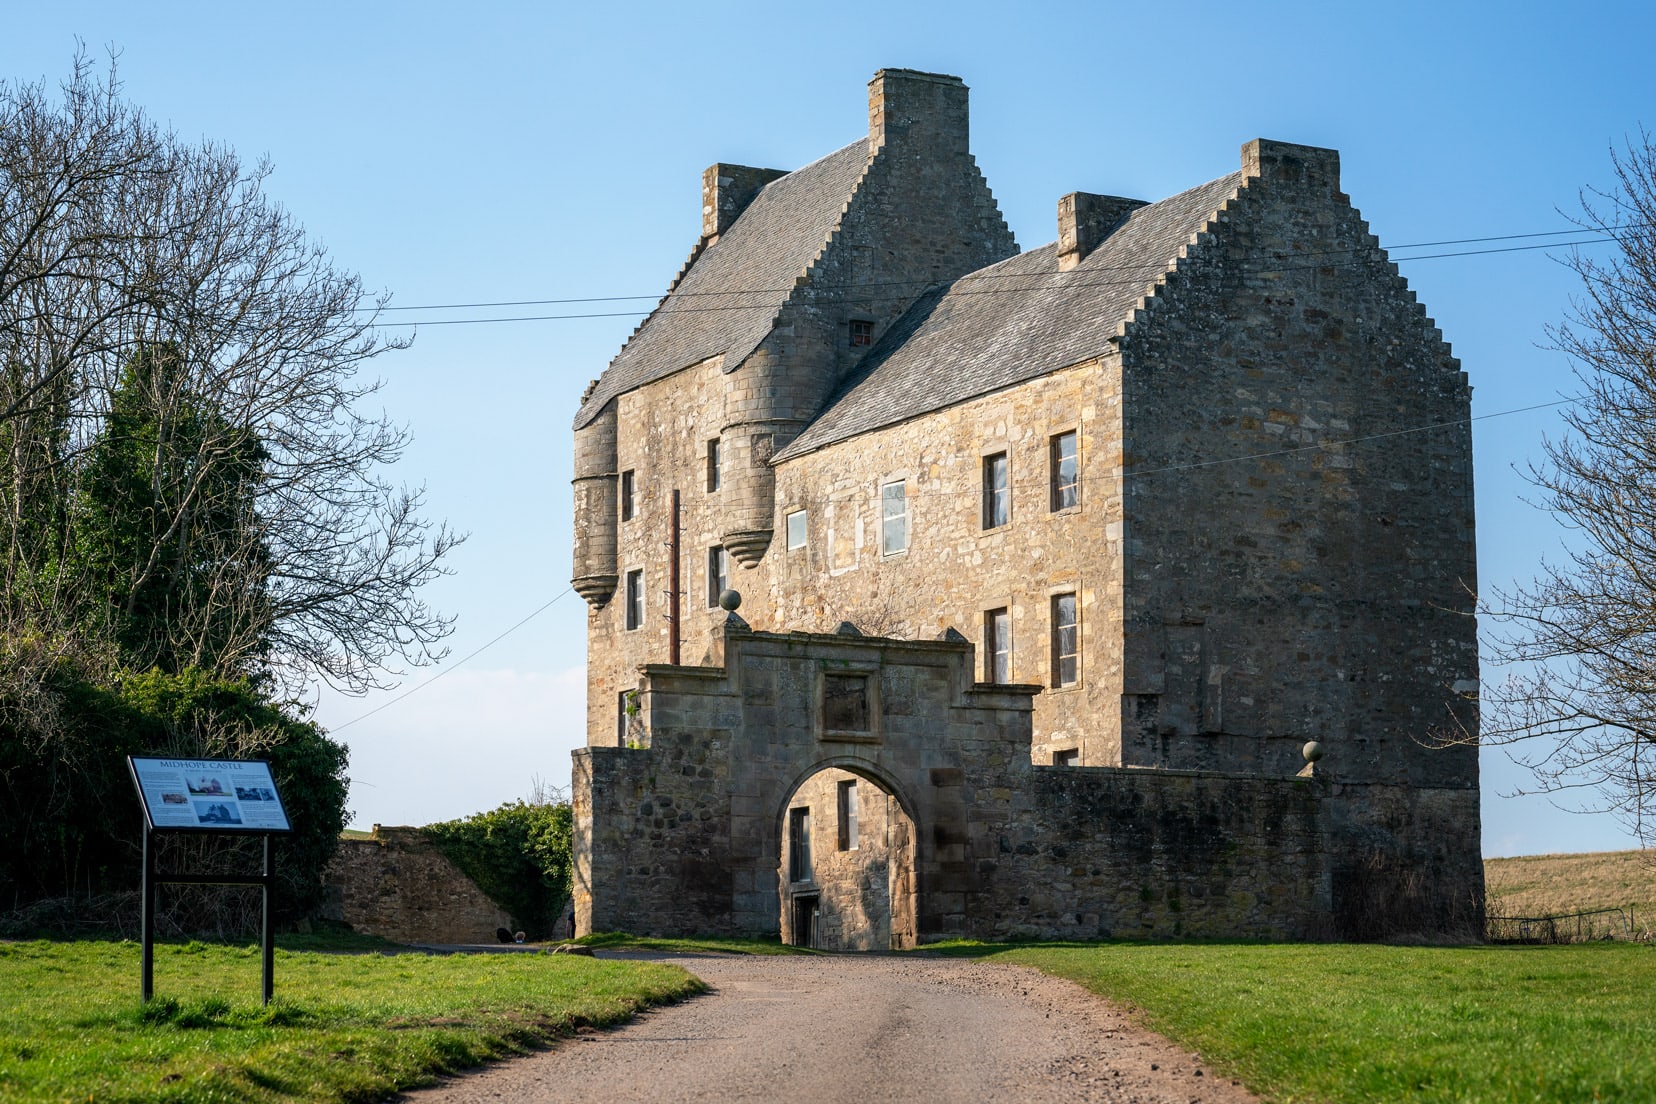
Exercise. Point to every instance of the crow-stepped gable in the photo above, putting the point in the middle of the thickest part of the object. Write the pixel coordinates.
(1052, 564)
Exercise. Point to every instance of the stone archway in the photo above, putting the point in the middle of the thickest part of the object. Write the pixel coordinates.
(846, 869)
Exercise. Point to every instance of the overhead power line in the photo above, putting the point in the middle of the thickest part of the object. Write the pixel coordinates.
(462, 661)
(1033, 281)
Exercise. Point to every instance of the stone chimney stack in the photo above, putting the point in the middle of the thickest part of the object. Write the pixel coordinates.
(1085, 220)
(1310, 167)
(913, 110)
(726, 192)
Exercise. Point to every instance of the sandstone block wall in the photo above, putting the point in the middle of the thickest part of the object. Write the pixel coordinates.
(398, 886)
(685, 833)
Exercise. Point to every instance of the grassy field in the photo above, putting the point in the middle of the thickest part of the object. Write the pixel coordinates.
(344, 1027)
(1551, 885)
(1368, 1023)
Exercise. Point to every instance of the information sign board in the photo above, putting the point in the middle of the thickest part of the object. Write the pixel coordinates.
(211, 795)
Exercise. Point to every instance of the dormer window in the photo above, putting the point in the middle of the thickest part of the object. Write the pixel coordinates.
(862, 333)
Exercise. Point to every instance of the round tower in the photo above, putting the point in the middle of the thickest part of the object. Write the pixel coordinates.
(596, 509)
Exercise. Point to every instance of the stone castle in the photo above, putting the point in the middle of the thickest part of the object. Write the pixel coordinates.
(1052, 563)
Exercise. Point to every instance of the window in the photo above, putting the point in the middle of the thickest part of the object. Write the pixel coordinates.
(718, 574)
(713, 465)
(799, 845)
(848, 816)
(845, 703)
(997, 493)
(627, 502)
(1069, 757)
(796, 530)
(626, 711)
(862, 333)
(894, 533)
(1066, 476)
(635, 598)
(1065, 653)
(997, 645)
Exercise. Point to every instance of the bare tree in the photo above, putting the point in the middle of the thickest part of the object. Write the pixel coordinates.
(1583, 634)
(264, 537)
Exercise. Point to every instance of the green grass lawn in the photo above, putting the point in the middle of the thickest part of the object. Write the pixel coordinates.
(1324, 1022)
(347, 1027)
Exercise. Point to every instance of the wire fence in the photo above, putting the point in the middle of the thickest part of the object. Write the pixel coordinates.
(1573, 927)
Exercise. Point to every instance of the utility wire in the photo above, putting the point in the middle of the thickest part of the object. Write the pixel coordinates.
(453, 666)
(986, 276)
(1037, 281)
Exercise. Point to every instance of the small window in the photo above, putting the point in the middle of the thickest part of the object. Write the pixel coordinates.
(848, 816)
(1065, 652)
(713, 465)
(845, 703)
(1066, 476)
(626, 710)
(635, 598)
(894, 530)
(718, 574)
(997, 645)
(1069, 757)
(997, 492)
(796, 530)
(627, 502)
(862, 333)
(799, 845)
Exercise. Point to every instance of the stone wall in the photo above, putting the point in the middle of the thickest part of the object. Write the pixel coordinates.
(398, 886)
(685, 833)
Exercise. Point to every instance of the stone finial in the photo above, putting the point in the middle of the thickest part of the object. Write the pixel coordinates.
(726, 192)
(730, 600)
(924, 113)
(1085, 220)
(1285, 163)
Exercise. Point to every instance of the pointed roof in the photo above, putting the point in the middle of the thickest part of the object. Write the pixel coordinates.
(727, 301)
(1014, 321)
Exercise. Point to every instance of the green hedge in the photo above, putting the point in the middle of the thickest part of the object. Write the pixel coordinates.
(518, 854)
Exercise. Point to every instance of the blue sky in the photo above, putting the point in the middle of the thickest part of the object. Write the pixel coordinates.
(500, 152)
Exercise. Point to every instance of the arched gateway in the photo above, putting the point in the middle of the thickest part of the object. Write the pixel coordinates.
(683, 831)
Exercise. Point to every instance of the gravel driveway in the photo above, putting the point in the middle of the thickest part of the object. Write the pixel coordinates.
(834, 1029)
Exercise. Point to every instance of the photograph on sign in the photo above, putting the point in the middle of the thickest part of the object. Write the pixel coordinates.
(208, 794)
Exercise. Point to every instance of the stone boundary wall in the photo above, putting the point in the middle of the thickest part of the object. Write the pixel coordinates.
(399, 886)
(1111, 852)
(681, 835)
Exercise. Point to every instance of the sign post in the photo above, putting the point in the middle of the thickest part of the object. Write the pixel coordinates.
(221, 796)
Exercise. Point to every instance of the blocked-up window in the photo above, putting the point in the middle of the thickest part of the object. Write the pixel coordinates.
(1066, 651)
(626, 711)
(845, 703)
(635, 598)
(997, 491)
(713, 465)
(796, 530)
(799, 845)
(1069, 757)
(997, 645)
(628, 503)
(848, 816)
(1066, 471)
(718, 574)
(894, 527)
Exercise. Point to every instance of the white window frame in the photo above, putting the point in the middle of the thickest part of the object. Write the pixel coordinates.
(804, 529)
(894, 527)
(633, 600)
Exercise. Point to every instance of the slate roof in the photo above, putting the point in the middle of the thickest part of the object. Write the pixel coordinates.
(1013, 321)
(728, 300)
